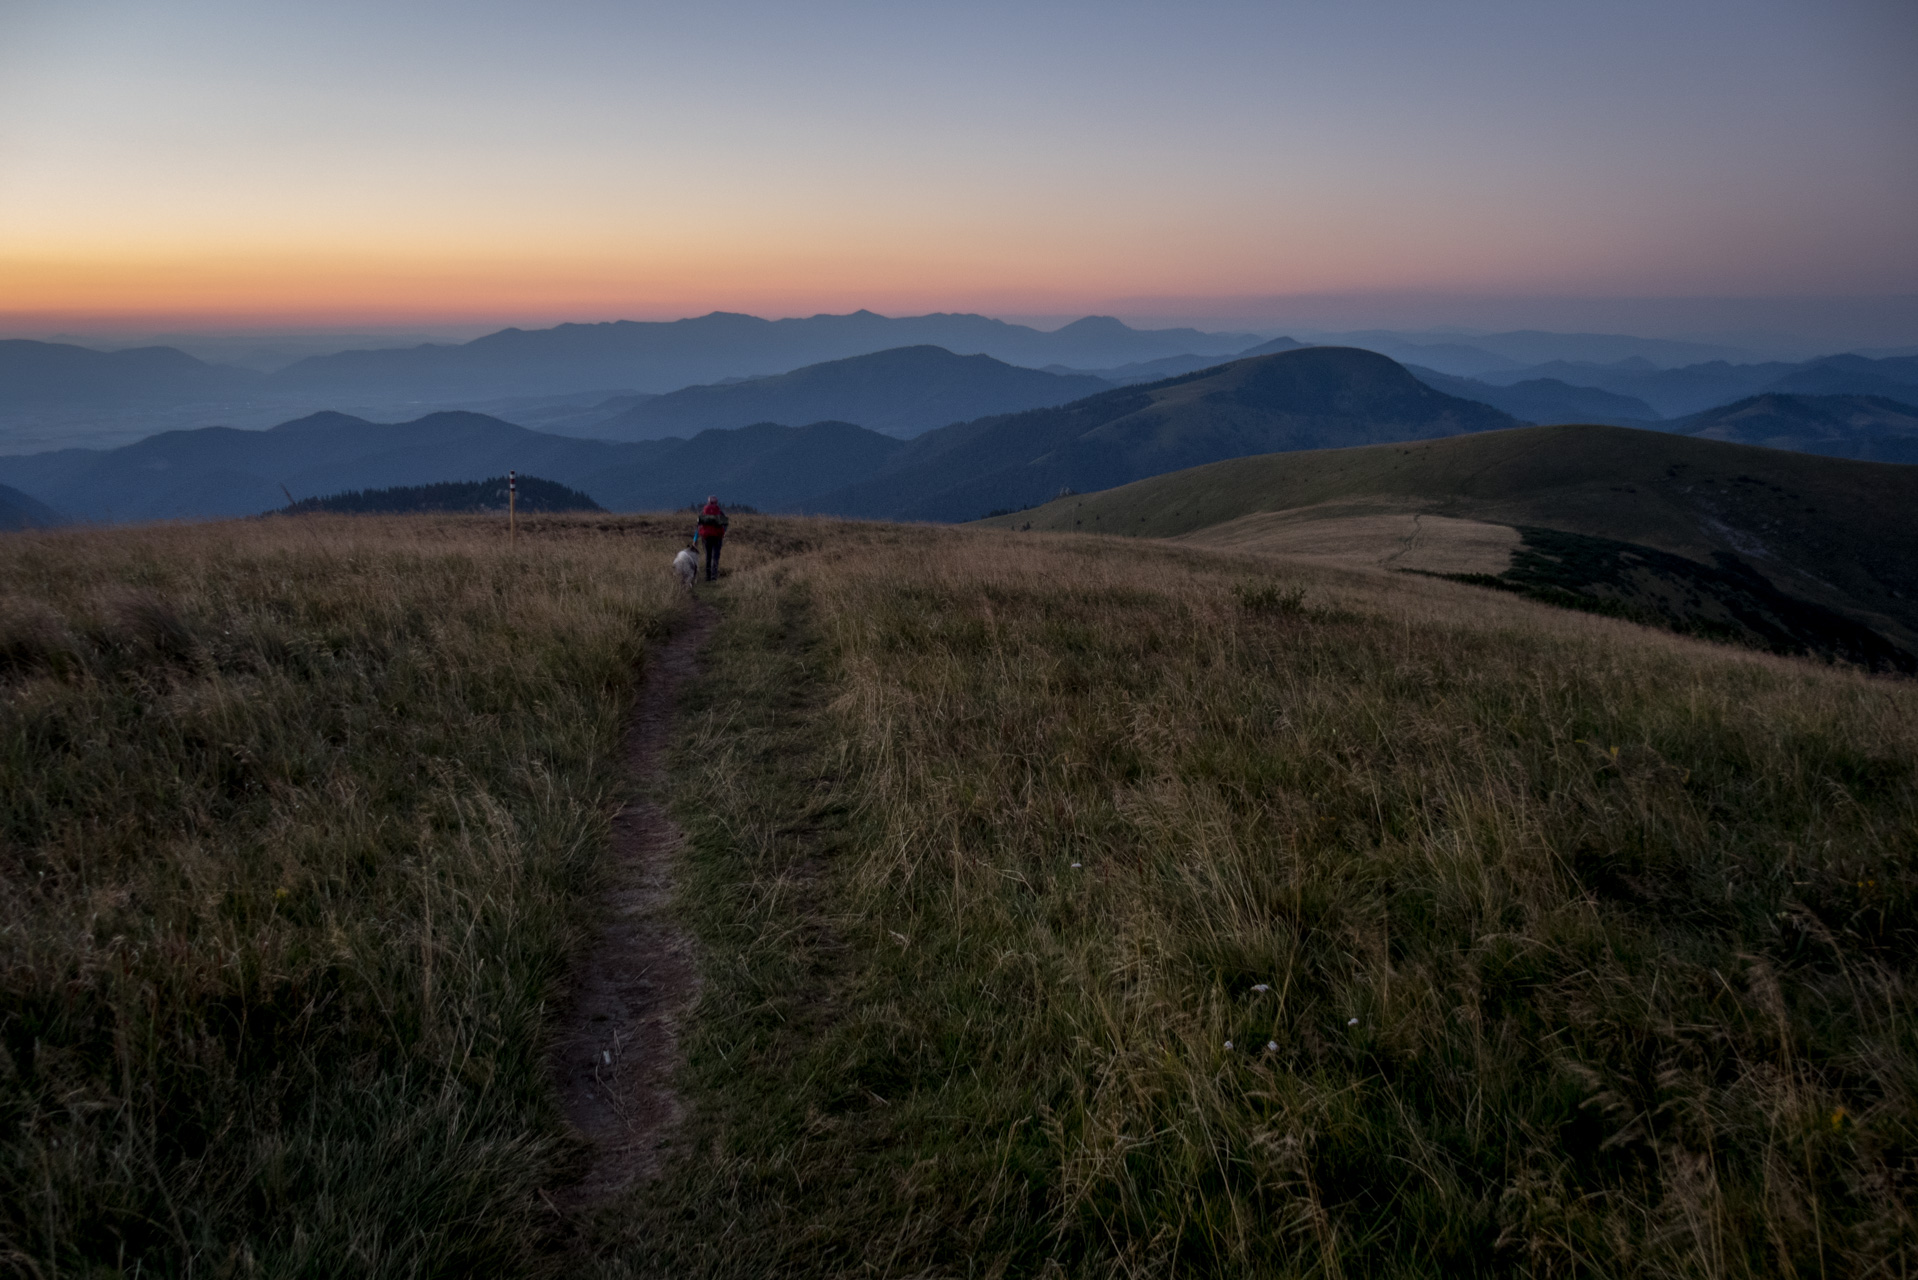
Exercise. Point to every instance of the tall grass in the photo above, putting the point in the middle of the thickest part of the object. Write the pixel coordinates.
(1070, 907)
(300, 823)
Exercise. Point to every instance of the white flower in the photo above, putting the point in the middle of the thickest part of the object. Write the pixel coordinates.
(1352, 1022)
(1271, 1046)
(1261, 986)
(1228, 1044)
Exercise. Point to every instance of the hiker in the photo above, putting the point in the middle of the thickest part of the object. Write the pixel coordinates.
(712, 532)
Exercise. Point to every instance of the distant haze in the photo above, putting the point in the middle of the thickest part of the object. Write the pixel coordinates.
(1716, 168)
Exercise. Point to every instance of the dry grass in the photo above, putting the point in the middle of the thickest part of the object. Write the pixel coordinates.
(1399, 540)
(1542, 944)
(301, 819)
(1580, 949)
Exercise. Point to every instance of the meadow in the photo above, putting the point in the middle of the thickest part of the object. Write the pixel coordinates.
(299, 823)
(1083, 907)
(1066, 906)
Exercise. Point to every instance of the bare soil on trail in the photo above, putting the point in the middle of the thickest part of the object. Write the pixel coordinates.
(618, 1044)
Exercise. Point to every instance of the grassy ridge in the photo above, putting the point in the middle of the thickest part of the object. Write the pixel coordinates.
(1543, 944)
(1828, 530)
(299, 822)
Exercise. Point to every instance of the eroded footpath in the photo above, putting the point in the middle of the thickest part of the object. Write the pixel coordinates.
(614, 1058)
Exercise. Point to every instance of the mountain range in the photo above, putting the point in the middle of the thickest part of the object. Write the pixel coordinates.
(1305, 398)
(1301, 399)
(572, 378)
(900, 392)
(1868, 428)
(1315, 397)
(662, 356)
(1547, 400)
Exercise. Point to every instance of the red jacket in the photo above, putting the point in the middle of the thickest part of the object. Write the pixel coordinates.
(712, 521)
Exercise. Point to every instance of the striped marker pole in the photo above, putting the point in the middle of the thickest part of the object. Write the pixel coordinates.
(512, 507)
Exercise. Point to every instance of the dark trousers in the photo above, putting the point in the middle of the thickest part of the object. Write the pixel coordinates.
(712, 556)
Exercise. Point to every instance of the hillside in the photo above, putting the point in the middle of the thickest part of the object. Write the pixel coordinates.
(1317, 397)
(1868, 428)
(22, 511)
(533, 496)
(901, 392)
(1056, 906)
(1830, 533)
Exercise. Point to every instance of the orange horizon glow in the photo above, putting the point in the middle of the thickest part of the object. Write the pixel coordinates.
(218, 162)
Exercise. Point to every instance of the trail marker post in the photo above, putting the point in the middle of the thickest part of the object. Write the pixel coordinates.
(512, 507)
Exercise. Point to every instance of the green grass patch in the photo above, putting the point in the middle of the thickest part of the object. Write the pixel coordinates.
(1062, 915)
(301, 823)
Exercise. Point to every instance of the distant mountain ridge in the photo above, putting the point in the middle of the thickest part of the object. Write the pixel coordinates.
(1309, 397)
(1867, 428)
(901, 392)
(1303, 399)
(221, 472)
(1544, 400)
(664, 356)
(42, 375)
(1315, 397)
(556, 379)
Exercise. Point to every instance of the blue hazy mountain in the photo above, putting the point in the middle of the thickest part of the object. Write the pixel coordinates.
(1544, 400)
(768, 466)
(1895, 378)
(1126, 375)
(1866, 428)
(901, 392)
(1671, 392)
(663, 356)
(1315, 398)
(47, 375)
(1517, 352)
(218, 471)
(1696, 387)
(1311, 398)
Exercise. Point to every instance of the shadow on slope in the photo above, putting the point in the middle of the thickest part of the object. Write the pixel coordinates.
(1726, 600)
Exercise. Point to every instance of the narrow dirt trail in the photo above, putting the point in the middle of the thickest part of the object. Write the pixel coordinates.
(619, 1042)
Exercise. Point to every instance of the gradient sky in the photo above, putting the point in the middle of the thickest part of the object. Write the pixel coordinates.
(220, 162)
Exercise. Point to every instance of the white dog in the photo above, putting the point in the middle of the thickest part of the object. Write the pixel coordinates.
(686, 565)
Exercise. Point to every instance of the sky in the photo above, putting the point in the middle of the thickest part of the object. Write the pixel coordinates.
(1700, 165)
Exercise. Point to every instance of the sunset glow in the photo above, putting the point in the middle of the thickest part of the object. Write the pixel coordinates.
(238, 164)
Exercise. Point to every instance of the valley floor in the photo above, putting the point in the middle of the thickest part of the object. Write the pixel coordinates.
(1064, 905)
